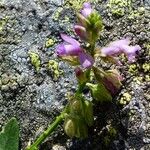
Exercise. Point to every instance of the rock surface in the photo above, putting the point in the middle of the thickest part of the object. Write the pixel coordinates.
(36, 97)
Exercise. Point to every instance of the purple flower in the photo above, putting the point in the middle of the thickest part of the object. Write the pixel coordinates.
(121, 46)
(69, 47)
(86, 60)
(87, 10)
(131, 51)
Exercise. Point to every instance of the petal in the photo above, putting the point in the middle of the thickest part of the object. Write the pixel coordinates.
(121, 46)
(131, 52)
(70, 40)
(110, 51)
(119, 43)
(131, 49)
(86, 5)
(80, 31)
(87, 10)
(72, 50)
(86, 60)
(131, 58)
(60, 50)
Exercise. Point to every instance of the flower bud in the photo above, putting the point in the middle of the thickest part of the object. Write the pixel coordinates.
(81, 32)
(82, 131)
(95, 21)
(82, 20)
(99, 92)
(76, 106)
(110, 79)
(88, 112)
(80, 75)
(70, 127)
(87, 9)
(95, 26)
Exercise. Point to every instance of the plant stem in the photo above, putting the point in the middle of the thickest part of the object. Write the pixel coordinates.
(60, 118)
(47, 132)
(81, 86)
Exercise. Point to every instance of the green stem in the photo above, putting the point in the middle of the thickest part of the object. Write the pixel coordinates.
(81, 86)
(47, 132)
(60, 118)
(92, 47)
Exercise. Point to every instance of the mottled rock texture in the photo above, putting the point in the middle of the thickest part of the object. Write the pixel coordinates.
(35, 97)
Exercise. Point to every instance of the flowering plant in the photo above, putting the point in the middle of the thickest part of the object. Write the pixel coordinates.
(104, 84)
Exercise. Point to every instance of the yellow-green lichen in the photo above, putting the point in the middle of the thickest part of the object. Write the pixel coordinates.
(66, 19)
(35, 60)
(8, 82)
(57, 14)
(3, 22)
(118, 7)
(136, 13)
(138, 80)
(75, 4)
(147, 46)
(147, 78)
(126, 97)
(49, 43)
(131, 112)
(146, 67)
(133, 68)
(53, 66)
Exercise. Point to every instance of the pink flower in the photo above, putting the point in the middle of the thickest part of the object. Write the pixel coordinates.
(121, 46)
(86, 60)
(87, 10)
(71, 47)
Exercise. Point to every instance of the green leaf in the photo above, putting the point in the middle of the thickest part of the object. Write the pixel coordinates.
(88, 113)
(9, 136)
(99, 92)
